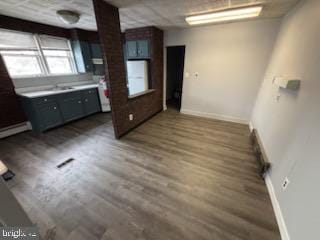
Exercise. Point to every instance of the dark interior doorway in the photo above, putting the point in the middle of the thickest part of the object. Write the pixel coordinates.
(175, 70)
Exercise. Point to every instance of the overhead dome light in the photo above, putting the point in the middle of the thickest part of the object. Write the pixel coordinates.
(68, 17)
(226, 15)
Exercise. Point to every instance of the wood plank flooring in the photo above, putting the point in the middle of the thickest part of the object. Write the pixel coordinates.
(175, 177)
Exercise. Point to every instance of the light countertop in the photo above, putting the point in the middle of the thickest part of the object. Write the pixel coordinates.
(43, 93)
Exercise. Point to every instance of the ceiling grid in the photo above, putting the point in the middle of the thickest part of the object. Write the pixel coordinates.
(165, 14)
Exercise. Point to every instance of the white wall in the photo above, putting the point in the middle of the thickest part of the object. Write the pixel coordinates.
(290, 128)
(231, 60)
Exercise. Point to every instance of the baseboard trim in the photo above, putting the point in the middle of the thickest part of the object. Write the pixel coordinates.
(214, 116)
(15, 129)
(251, 126)
(277, 210)
(165, 107)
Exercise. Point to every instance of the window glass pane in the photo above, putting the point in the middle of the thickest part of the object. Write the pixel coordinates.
(56, 53)
(48, 42)
(22, 65)
(13, 39)
(28, 53)
(59, 65)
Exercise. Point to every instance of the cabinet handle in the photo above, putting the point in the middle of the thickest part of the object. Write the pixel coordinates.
(79, 102)
(86, 100)
(55, 108)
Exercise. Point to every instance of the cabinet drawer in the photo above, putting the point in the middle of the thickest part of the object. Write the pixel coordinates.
(66, 97)
(43, 100)
(92, 91)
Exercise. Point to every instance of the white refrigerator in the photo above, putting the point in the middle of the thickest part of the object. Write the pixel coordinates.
(137, 72)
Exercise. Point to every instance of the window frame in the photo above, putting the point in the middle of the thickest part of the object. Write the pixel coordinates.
(41, 58)
(38, 57)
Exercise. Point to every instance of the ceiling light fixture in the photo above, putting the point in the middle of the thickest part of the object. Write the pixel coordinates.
(225, 15)
(68, 17)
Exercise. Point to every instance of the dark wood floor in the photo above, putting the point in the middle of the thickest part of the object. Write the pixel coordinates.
(175, 177)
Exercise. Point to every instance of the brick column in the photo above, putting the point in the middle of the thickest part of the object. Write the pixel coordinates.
(111, 40)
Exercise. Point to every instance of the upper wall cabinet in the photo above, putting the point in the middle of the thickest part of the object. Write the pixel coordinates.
(85, 53)
(82, 55)
(96, 51)
(138, 49)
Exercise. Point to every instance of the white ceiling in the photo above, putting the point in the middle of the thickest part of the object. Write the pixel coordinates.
(165, 14)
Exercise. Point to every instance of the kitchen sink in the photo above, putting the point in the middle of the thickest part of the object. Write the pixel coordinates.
(62, 88)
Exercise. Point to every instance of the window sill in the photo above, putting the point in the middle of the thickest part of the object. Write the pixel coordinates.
(49, 75)
(141, 93)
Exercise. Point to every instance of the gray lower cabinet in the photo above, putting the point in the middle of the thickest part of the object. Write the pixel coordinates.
(71, 106)
(91, 102)
(49, 115)
(55, 110)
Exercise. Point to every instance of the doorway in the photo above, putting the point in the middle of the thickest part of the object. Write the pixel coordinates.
(175, 71)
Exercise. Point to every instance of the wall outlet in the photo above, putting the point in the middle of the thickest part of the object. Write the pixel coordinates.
(131, 117)
(285, 183)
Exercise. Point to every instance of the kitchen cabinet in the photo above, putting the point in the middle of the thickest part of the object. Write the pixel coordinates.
(137, 49)
(82, 56)
(143, 48)
(49, 115)
(55, 110)
(84, 53)
(71, 106)
(96, 51)
(90, 101)
(87, 58)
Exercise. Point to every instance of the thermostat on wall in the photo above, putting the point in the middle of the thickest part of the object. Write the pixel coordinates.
(287, 83)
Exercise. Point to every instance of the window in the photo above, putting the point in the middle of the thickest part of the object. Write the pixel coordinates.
(58, 61)
(22, 63)
(57, 54)
(35, 55)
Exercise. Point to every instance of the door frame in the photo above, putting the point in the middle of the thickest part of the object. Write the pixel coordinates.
(165, 75)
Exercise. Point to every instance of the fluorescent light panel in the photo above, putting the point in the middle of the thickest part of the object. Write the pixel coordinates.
(227, 15)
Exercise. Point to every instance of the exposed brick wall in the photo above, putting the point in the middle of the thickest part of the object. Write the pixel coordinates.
(111, 39)
(11, 112)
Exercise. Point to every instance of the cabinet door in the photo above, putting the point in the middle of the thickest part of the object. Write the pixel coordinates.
(91, 101)
(143, 49)
(132, 51)
(49, 115)
(96, 50)
(86, 54)
(71, 106)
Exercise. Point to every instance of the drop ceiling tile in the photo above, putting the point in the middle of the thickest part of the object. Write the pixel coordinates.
(135, 13)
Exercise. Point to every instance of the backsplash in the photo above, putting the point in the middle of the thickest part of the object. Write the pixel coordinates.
(46, 82)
